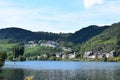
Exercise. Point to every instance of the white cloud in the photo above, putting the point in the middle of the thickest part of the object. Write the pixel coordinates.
(90, 3)
(52, 19)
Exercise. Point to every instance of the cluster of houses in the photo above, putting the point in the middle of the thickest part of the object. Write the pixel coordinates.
(93, 55)
(60, 55)
(31, 44)
(52, 44)
(66, 56)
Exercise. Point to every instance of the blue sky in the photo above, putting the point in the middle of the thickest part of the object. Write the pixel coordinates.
(58, 15)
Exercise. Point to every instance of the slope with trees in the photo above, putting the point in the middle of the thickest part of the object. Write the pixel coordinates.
(86, 33)
(18, 35)
(107, 40)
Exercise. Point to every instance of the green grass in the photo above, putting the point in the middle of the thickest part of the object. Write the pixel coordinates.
(5, 46)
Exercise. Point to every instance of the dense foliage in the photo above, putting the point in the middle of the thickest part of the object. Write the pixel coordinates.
(21, 35)
(86, 33)
(18, 50)
(3, 56)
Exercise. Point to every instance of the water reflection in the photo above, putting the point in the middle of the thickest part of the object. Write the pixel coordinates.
(61, 75)
(1, 76)
(13, 74)
(82, 71)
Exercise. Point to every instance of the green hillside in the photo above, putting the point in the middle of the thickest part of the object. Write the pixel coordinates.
(106, 41)
(85, 34)
(14, 35)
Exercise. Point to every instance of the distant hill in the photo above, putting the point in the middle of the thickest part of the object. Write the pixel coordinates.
(79, 37)
(86, 33)
(105, 41)
(19, 34)
(15, 33)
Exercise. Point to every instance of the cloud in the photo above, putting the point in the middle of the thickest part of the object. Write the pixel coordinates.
(90, 3)
(40, 19)
(52, 19)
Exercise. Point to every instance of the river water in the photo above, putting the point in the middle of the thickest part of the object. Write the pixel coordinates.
(61, 70)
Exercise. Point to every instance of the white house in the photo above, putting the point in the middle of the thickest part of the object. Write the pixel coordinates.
(89, 55)
(110, 54)
(71, 56)
(59, 55)
(50, 44)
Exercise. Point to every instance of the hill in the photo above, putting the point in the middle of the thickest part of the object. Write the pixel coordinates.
(18, 34)
(15, 33)
(106, 41)
(86, 33)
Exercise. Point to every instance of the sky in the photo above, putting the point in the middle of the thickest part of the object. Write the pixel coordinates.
(58, 15)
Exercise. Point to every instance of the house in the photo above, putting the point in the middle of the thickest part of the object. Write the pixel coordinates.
(50, 44)
(30, 44)
(59, 55)
(66, 49)
(40, 41)
(110, 54)
(64, 56)
(99, 55)
(71, 56)
(92, 57)
(89, 54)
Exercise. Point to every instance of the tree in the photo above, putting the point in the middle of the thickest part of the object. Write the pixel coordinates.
(3, 56)
(78, 55)
(104, 58)
(18, 50)
(118, 46)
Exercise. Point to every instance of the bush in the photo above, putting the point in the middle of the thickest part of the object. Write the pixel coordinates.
(34, 58)
(52, 58)
(21, 58)
(10, 57)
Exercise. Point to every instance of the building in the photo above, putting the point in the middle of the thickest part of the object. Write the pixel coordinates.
(89, 54)
(50, 44)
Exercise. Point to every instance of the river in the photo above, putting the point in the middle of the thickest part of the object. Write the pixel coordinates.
(61, 70)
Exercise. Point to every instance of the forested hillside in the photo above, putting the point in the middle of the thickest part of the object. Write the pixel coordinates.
(86, 33)
(18, 34)
(106, 41)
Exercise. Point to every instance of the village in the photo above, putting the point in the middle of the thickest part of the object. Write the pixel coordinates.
(71, 54)
(98, 55)
(52, 44)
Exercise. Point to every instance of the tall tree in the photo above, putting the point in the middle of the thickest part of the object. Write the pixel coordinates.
(118, 46)
(18, 50)
(3, 56)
